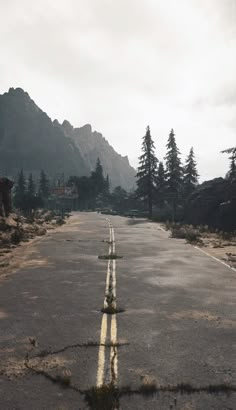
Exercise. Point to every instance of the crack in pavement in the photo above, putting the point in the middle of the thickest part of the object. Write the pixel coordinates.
(113, 370)
(45, 353)
(110, 393)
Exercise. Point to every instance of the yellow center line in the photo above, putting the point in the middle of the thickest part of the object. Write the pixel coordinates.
(101, 353)
(110, 282)
(114, 350)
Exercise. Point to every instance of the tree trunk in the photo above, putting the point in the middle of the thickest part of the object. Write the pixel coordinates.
(150, 206)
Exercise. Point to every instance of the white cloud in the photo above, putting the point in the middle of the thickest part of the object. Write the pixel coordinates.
(122, 65)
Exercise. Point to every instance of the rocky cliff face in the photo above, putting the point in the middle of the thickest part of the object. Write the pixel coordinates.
(92, 145)
(30, 140)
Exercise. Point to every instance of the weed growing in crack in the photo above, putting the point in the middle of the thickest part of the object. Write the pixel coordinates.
(105, 397)
(65, 379)
(108, 242)
(113, 373)
(110, 307)
(148, 389)
(110, 299)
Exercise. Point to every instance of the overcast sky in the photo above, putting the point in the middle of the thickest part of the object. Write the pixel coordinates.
(121, 65)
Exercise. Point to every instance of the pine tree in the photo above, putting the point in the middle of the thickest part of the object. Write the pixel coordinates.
(174, 172)
(106, 190)
(31, 187)
(160, 185)
(43, 185)
(191, 176)
(97, 178)
(232, 167)
(20, 191)
(147, 172)
(107, 184)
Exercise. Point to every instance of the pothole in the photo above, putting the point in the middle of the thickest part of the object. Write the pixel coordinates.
(112, 256)
(111, 310)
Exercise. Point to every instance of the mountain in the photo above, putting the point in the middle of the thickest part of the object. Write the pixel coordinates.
(92, 145)
(29, 139)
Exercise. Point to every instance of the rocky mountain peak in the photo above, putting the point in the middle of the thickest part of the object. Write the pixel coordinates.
(31, 141)
(67, 127)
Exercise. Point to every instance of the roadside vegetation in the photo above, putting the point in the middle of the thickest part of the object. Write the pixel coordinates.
(219, 243)
(19, 228)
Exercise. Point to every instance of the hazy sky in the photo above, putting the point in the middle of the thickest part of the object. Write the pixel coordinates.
(123, 64)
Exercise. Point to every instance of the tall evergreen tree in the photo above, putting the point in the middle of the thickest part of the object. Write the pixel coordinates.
(20, 191)
(147, 172)
(107, 184)
(160, 185)
(232, 168)
(43, 185)
(98, 179)
(174, 172)
(191, 176)
(31, 187)
(33, 201)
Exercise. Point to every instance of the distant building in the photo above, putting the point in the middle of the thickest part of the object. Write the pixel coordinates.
(64, 198)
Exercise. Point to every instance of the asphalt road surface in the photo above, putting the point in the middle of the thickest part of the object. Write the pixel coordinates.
(148, 325)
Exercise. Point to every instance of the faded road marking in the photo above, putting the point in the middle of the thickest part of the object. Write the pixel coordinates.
(101, 353)
(216, 259)
(110, 288)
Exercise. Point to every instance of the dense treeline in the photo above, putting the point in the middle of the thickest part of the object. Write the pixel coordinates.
(166, 190)
(170, 190)
(27, 196)
(93, 191)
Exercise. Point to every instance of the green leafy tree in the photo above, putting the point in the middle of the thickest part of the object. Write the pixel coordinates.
(190, 178)
(20, 191)
(147, 172)
(160, 185)
(174, 173)
(44, 188)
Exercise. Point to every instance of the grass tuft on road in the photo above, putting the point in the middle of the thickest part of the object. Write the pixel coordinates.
(105, 397)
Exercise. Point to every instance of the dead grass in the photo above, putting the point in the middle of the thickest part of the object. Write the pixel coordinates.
(105, 397)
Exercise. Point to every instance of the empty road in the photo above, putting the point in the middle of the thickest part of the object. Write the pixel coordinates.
(113, 314)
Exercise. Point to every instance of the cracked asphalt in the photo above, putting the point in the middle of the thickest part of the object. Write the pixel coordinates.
(177, 328)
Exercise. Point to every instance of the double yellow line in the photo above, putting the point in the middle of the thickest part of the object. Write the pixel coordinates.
(109, 322)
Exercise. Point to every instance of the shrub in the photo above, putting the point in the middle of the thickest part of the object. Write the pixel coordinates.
(227, 236)
(186, 232)
(17, 235)
(4, 227)
(60, 220)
